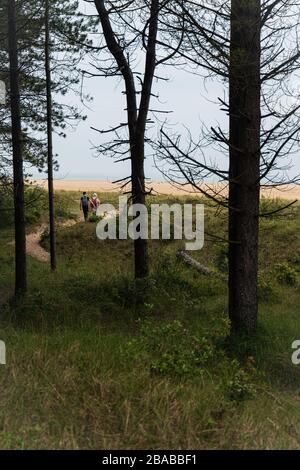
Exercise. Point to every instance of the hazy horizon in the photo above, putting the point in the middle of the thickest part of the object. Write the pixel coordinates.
(192, 100)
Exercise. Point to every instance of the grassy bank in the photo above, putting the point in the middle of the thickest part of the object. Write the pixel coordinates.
(95, 360)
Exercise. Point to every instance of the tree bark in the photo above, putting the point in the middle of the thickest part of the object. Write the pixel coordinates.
(19, 203)
(190, 261)
(138, 150)
(53, 258)
(137, 118)
(139, 197)
(244, 187)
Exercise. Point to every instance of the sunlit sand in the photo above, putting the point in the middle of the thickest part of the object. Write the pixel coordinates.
(287, 192)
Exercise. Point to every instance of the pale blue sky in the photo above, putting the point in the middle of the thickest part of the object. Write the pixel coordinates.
(192, 101)
(192, 104)
(184, 94)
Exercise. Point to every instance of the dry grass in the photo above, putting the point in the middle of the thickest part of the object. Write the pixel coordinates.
(80, 369)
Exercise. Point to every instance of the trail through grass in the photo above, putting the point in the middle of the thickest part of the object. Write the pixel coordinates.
(98, 361)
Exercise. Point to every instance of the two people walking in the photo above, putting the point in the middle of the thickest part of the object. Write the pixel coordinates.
(88, 204)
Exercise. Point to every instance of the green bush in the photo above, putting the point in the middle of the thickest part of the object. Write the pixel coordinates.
(238, 385)
(36, 205)
(266, 291)
(6, 207)
(222, 258)
(64, 203)
(174, 350)
(94, 218)
(36, 200)
(286, 274)
(272, 208)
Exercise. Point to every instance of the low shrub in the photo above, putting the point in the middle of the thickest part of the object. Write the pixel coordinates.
(267, 292)
(286, 274)
(239, 385)
(221, 260)
(174, 350)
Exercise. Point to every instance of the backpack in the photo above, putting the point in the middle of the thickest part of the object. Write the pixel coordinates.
(85, 202)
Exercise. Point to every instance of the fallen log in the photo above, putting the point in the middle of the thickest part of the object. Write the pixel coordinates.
(198, 266)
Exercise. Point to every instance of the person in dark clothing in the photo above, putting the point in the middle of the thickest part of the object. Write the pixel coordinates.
(85, 205)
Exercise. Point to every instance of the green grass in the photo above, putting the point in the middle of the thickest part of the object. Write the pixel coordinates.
(97, 361)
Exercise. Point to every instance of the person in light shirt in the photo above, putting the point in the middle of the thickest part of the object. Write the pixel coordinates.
(95, 203)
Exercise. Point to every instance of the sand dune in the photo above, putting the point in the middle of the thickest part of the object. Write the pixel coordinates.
(163, 188)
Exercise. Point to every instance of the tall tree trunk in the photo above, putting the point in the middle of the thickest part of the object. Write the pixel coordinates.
(139, 197)
(244, 188)
(50, 143)
(19, 203)
(137, 118)
(138, 151)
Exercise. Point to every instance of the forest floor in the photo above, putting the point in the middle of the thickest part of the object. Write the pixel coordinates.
(98, 361)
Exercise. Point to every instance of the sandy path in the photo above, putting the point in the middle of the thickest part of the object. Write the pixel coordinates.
(163, 188)
(33, 247)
